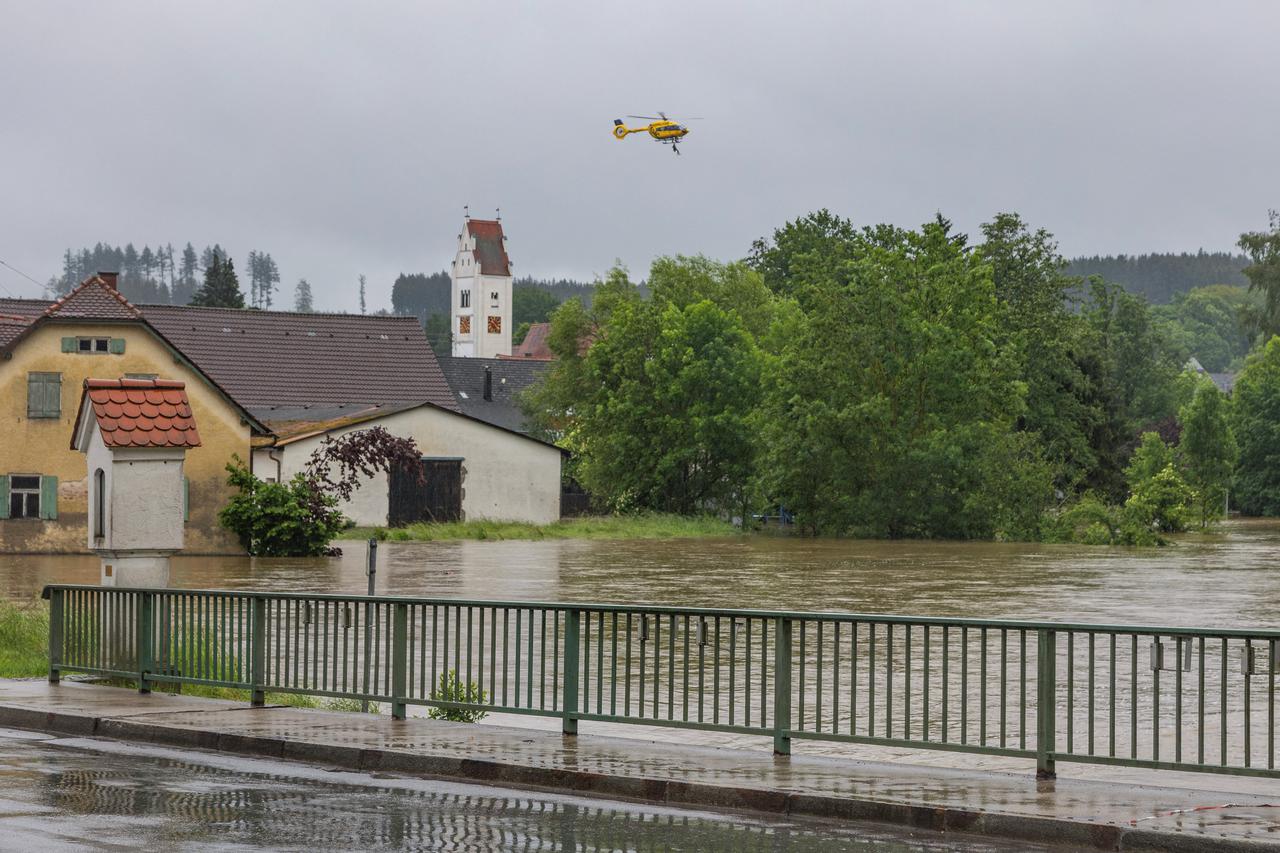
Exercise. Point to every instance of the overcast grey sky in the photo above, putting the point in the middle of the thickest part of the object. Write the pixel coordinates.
(345, 138)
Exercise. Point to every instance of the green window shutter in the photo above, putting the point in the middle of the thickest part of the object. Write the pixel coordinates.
(4, 495)
(116, 347)
(49, 498)
(186, 499)
(44, 395)
(68, 344)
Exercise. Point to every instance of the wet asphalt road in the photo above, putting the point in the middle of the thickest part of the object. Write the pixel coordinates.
(77, 793)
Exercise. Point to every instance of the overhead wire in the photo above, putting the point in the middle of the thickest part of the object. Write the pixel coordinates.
(3, 262)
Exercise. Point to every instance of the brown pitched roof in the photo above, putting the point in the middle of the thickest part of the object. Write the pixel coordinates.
(491, 250)
(536, 343)
(11, 326)
(93, 299)
(266, 359)
(140, 412)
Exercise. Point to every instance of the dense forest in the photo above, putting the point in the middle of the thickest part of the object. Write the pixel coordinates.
(889, 382)
(1161, 277)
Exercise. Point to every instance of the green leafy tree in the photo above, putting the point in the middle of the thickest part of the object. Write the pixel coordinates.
(889, 410)
(221, 288)
(1256, 425)
(1208, 450)
(1150, 458)
(302, 299)
(1263, 249)
(1040, 333)
(1161, 504)
(658, 408)
(1210, 324)
(531, 304)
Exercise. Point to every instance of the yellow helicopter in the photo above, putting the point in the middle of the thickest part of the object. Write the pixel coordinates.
(660, 127)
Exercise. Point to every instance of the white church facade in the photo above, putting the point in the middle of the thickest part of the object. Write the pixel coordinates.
(481, 291)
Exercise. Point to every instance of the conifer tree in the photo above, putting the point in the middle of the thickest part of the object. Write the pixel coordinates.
(302, 297)
(362, 305)
(221, 288)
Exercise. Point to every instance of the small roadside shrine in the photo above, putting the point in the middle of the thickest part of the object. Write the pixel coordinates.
(135, 434)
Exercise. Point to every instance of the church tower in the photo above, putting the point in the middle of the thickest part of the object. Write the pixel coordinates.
(481, 290)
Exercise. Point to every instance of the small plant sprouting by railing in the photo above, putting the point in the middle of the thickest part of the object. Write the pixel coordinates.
(459, 695)
(1143, 696)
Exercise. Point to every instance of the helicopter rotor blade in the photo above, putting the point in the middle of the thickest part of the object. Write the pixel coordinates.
(650, 118)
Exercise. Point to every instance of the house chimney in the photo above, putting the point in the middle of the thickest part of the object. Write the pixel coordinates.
(488, 383)
(109, 278)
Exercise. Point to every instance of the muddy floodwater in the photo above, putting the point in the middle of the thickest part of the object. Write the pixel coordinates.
(1228, 578)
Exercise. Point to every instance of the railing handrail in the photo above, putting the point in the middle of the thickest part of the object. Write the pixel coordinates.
(674, 610)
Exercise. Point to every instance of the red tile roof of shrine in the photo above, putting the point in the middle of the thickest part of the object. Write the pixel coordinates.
(141, 412)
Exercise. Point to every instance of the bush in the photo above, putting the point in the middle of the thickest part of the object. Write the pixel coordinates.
(291, 519)
(452, 689)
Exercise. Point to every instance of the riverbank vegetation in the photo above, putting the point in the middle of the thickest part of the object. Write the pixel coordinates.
(887, 382)
(635, 526)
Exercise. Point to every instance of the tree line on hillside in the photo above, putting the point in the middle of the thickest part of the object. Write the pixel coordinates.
(1161, 277)
(163, 275)
(891, 382)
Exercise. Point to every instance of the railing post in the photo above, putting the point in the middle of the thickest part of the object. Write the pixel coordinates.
(56, 641)
(258, 653)
(399, 658)
(145, 632)
(1046, 702)
(782, 686)
(569, 702)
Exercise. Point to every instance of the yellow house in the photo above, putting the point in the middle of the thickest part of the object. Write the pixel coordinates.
(45, 357)
(258, 383)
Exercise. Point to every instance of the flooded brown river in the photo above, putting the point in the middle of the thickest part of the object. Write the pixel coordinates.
(1229, 578)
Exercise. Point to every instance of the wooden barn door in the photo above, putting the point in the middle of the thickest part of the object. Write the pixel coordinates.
(430, 490)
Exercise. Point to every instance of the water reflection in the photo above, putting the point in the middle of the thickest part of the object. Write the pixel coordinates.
(172, 804)
(1227, 579)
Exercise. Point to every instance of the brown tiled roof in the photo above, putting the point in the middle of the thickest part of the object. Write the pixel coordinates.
(491, 251)
(93, 299)
(536, 343)
(16, 315)
(141, 412)
(265, 359)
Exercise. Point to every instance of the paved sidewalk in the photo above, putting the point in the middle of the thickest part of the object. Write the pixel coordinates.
(1074, 812)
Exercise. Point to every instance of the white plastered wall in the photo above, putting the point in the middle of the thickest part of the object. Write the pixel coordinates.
(506, 477)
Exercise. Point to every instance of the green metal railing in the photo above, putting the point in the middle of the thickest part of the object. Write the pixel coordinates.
(1157, 697)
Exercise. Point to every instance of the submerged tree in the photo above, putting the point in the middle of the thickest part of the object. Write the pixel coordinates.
(1208, 450)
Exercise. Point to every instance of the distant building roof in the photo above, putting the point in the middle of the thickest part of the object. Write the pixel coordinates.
(507, 378)
(276, 358)
(1226, 382)
(491, 249)
(536, 343)
(95, 298)
(139, 412)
